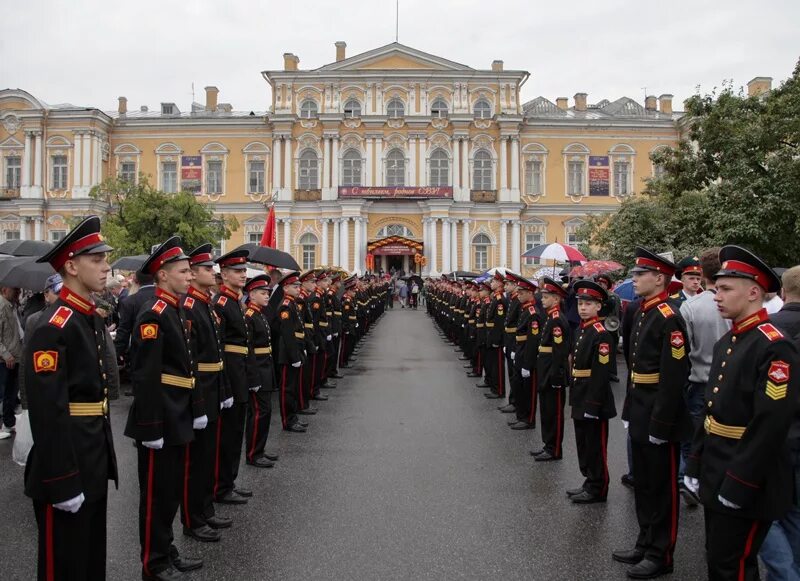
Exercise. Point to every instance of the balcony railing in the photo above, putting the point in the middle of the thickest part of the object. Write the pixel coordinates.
(307, 195)
(483, 196)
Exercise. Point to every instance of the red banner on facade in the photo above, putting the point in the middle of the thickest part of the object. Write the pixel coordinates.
(394, 250)
(391, 192)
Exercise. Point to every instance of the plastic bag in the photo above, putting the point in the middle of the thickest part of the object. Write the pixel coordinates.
(23, 440)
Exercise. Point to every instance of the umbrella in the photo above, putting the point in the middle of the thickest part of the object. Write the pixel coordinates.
(25, 272)
(270, 256)
(501, 269)
(461, 274)
(551, 271)
(25, 247)
(624, 290)
(595, 267)
(130, 262)
(556, 251)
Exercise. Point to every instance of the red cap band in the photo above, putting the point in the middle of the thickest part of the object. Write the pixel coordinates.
(694, 269)
(257, 284)
(549, 288)
(232, 261)
(80, 244)
(745, 268)
(204, 257)
(165, 257)
(654, 265)
(590, 292)
(289, 280)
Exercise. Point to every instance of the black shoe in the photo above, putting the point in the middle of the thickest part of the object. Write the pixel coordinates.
(242, 491)
(537, 453)
(302, 423)
(262, 463)
(521, 426)
(329, 385)
(165, 575)
(492, 395)
(219, 522)
(574, 491)
(631, 556)
(320, 396)
(463, 358)
(473, 375)
(231, 498)
(689, 498)
(627, 480)
(337, 376)
(508, 409)
(204, 534)
(647, 569)
(586, 498)
(295, 428)
(271, 456)
(546, 457)
(184, 564)
(307, 412)
(482, 385)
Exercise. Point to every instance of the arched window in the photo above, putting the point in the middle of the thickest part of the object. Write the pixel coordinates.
(351, 168)
(308, 244)
(439, 169)
(395, 109)
(395, 230)
(480, 251)
(308, 109)
(352, 108)
(482, 171)
(396, 168)
(439, 108)
(482, 109)
(308, 178)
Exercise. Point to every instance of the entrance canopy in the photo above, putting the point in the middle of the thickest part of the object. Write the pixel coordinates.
(394, 246)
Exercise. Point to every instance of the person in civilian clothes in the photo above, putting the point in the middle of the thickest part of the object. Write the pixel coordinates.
(162, 417)
(526, 342)
(291, 354)
(739, 464)
(591, 398)
(73, 457)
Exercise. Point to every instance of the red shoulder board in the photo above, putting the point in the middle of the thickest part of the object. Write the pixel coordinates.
(222, 300)
(557, 331)
(60, 317)
(769, 330)
(666, 310)
(599, 327)
(532, 310)
(188, 302)
(159, 306)
(249, 313)
(286, 302)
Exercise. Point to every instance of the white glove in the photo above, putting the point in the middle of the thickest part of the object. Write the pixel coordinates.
(228, 403)
(504, 349)
(590, 416)
(200, 423)
(72, 505)
(336, 334)
(525, 373)
(154, 444)
(463, 326)
(625, 424)
(356, 325)
(297, 364)
(692, 484)
(255, 388)
(656, 441)
(329, 338)
(513, 355)
(727, 503)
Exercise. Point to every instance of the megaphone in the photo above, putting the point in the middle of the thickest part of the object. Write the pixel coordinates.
(612, 324)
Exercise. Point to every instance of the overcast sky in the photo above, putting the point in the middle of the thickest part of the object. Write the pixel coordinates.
(89, 52)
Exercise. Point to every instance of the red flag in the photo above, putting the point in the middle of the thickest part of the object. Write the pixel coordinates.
(268, 238)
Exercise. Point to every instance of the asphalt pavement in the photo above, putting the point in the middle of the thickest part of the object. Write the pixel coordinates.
(407, 473)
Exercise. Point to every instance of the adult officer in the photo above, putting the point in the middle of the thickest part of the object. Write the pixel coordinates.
(291, 354)
(739, 463)
(72, 458)
(690, 273)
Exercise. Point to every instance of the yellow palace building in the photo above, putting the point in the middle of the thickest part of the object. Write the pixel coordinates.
(387, 153)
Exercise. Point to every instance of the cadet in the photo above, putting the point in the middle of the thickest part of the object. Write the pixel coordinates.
(690, 273)
(495, 329)
(510, 343)
(526, 350)
(291, 354)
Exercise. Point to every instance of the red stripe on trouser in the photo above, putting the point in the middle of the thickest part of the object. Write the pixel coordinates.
(283, 396)
(148, 519)
(325, 367)
(256, 411)
(50, 564)
(559, 423)
(478, 367)
(217, 456)
(604, 451)
(747, 548)
(673, 479)
(342, 349)
(532, 417)
(501, 372)
(186, 466)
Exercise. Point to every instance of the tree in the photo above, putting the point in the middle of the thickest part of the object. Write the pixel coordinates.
(140, 216)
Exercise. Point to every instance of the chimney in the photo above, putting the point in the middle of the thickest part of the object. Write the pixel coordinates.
(665, 104)
(580, 101)
(290, 61)
(561, 103)
(211, 98)
(340, 50)
(759, 86)
(122, 109)
(497, 66)
(650, 103)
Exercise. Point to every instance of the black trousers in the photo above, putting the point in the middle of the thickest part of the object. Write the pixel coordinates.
(655, 469)
(527, 398)
(72, 546)
(551, 402)
(310, 373)
(231, 427)
(333, 359)
(490, 359)
(259, 414)
(289, 388)
(510, 369)
(197, 495)
(160, 484)
(591, 440)
(732, 545)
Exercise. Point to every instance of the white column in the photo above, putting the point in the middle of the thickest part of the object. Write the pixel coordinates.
(336, 243)
(77, 148)
(370, 157)
(358, 262)
(432, 262)
(335, 169)
(515, 246)
(503, 243)
(38, 164)
(324, 241)
(276, 164)
(454, 244)
(405, 264)
(287, 169)
(446, 245)
(287, 232)
(26, 166)
(426, 240)
(37, 228)
(364, 240)
(97, 161)
(457, 169)
(326, 166)
(503, 169)
(378, 161)
(465, 169)
(465, 243)
(412, 166)
(23, 228)
(515, 168)
(343, 250)
(86, 174)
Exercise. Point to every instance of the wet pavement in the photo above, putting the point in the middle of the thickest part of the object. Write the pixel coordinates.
(407, 473)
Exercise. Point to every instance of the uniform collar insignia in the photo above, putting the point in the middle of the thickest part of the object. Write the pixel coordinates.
(167, 297)
(228, 292)
(589, 322)
(750, 322)
(199, 295)
(76, 302)
(650, 303)
(254, 306)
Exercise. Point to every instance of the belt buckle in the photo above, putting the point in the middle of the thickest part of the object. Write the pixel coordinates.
(105, 406)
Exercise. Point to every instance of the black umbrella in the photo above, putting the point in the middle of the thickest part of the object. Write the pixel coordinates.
(25, 272)
(464, 274)
(269, 256)
(130, 262)
(25, 247)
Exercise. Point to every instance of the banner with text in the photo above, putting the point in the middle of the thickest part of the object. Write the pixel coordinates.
(192, 173)
(392, 192)
(598, 175)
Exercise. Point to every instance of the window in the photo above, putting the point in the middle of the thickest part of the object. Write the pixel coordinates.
(308, 109)
(482, 171)
(394, 230)
(308, 243)
(13, 172)
(254, 237)
(395, 168)
(59, 177)
(439, 169)
(571, 231)
(622, 174)
(214, 177)
(257, 176)
(12, 235)
(351, 168)
(352, 109)
(482, 109)
(533, 177)
(658, 171)
(439, 108)
(532, 240)
(395, 109)
(308, 177)
(480, 248)
(57, 235)
(127, 171)
(575, 178)
(169, 177)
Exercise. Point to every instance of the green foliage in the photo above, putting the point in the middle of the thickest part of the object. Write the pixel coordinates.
(140, 216)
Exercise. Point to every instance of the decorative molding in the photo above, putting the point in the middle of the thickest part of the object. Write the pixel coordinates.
(11, 123)
(396, 123)
(352, 123)
(308, 123)
(440, 122)
(482, 123)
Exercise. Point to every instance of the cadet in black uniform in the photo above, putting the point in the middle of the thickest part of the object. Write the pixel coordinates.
(72, 458)
(291, 354)
(510, 342)
(495, 329)
(740, 459)
(480, 324)
(590, 396)
(526, 340)
(162, 418)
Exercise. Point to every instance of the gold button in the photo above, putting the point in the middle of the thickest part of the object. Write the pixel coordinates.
(724, 363)
(711, 403)
(733, 338)
(105, 391)
(719, 378)
(728, 352)
(104, 376)
(716, 389)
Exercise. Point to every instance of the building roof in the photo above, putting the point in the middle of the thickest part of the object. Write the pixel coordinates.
(621, 109)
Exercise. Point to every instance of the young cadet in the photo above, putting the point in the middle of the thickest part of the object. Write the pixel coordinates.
(260, 374)
(552, 370)
(509, 341)
(349, 320)
(480, 323)
(305, 303)
(72, 458)
(739, 463)
(161, 418)
(525, 353)
(591, 398)
(291, 354)
(495, 329)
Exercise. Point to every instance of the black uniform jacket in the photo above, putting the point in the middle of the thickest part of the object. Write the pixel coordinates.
(495, 320)
(591, 372)
(333, 306)
(292, 338)
(162, 374)
(741, 452)
(235, 339)
(512, 317)
(551, 365)
(349, 318)
(529, 333)
(64, 364)
(259, 368)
